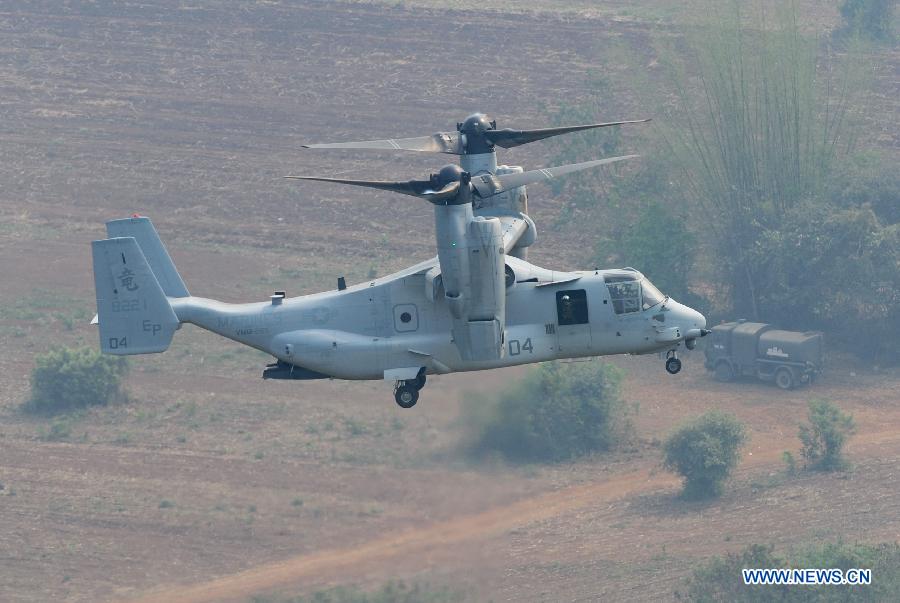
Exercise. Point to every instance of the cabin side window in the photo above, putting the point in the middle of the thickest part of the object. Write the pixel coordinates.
(571, 307)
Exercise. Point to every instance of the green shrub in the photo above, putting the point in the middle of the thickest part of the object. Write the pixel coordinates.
(71, 378)
(557, 412)
(721, 580)
(391, 592)
(704, 451)
(59, 430)
(824, 437)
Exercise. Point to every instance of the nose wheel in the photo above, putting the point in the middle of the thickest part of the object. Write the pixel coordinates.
(673, 364)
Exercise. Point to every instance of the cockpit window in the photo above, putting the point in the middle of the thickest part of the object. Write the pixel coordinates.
(652, 295)
(625, 297)
(632, 293)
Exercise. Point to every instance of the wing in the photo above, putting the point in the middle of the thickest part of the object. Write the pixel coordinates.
(512, 228)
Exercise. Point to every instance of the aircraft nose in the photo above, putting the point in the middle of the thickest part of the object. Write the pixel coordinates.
(699, 319)
(692, 323)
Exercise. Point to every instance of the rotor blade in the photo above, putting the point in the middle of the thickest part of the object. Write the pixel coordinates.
(442, 142)
(508, 138)
(489, 184)
(415, 188)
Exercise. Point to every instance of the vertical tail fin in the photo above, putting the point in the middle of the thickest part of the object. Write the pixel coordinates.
(135, 316)
(148, 240)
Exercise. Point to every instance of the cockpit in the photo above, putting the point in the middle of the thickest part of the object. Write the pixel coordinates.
(631, 291)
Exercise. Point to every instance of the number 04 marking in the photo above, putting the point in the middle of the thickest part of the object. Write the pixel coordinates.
(516, 347)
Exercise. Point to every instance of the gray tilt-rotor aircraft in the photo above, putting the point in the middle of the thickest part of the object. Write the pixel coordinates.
(477, 305)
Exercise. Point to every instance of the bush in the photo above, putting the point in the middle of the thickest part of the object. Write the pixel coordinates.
(391, 592)
(823, 439)
(70, 378)
(705, 452)
(557, 412)
(721, 580)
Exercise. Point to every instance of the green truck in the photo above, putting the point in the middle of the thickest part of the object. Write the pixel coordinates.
(759, 350)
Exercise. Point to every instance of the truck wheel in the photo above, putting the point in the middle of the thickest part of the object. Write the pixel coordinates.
(784, 378)
(724, 372)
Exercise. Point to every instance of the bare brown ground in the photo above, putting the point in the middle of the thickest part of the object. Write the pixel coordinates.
(440, 543)
(212, 484)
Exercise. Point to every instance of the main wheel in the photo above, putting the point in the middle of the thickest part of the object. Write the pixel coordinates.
(784, 378)
(724, 372)
(673, 365)
(406, 396)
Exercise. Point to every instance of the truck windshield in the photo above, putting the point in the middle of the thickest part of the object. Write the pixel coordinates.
(651, 295)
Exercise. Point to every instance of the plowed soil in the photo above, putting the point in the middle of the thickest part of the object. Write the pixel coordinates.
(212, 485)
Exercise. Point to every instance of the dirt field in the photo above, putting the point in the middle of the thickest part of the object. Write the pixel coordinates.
(212, 485)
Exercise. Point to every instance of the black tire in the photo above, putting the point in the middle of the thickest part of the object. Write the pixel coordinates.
(784, 378)
(673, 366)
(724, 372)
(406, 396)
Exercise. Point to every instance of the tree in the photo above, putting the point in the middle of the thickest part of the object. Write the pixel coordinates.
(704, 451)
(70, 378)
(758, 131)
(872, 19)
(659, 244)
(824, 437)
(557, 412)
(838, 270)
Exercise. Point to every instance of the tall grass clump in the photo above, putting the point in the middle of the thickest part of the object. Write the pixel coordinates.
(761, 119)
(556, 412)
(823, 438)
(66, 379)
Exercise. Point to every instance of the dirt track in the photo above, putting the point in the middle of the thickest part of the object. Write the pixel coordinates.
(434, 543)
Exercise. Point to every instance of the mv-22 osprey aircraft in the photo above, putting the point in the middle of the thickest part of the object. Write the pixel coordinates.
(478, 305)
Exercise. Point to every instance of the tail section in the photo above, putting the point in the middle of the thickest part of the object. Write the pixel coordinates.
(134, 315)
(148, 240)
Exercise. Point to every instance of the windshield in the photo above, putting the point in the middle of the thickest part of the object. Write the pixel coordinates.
(652, 295)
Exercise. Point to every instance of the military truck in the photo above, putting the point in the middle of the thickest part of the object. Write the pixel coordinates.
(759, 350)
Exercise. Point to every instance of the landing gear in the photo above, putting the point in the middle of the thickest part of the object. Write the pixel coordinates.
(406, 395)
(673, 364)
(418, 382)
(406, 392)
